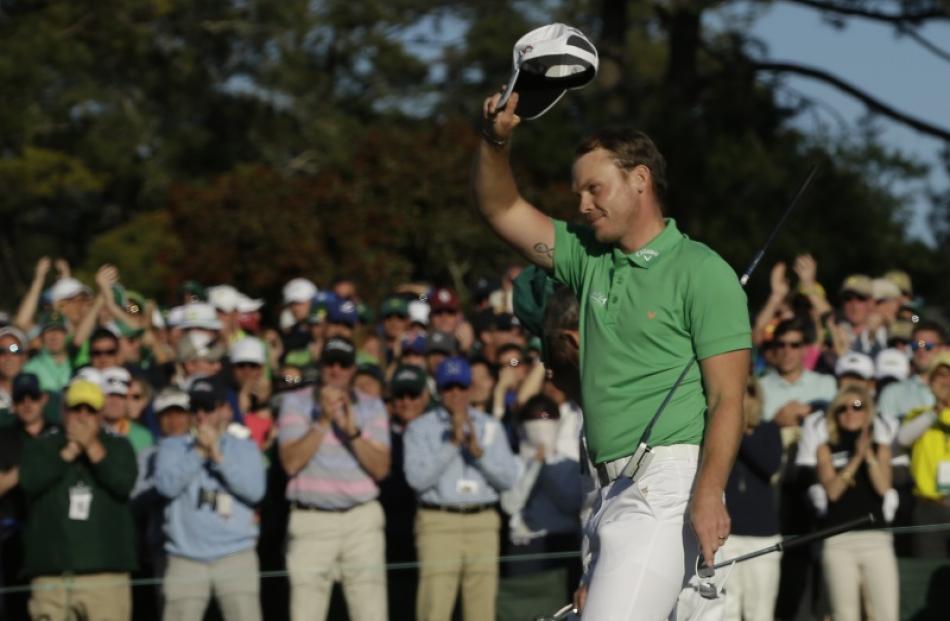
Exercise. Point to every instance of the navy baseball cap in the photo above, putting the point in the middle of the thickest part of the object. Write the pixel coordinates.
(455, 370)
(206, 393)
(338, 349)
(26, 384)
(418, 344)
(343, 312)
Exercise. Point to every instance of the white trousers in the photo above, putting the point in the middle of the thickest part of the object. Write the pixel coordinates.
(753, 584)
(643, 550)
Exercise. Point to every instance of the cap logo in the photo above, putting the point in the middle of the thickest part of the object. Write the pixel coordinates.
(202, 387)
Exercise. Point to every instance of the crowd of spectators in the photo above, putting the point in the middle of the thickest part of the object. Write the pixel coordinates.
(193, 446)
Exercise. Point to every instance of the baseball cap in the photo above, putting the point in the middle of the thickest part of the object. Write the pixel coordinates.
(249, 349)
(15, 333)
(225, 298)
(338, 349)
(246, 304)
(444, 299)
(855, 363)
(942, 359)
(901, 330)
(482, 288)
(506, 322)
(205, 393)
(171, 397)
(419, 312)
(194, 291)
(342, 312)
(408, 378)
(547, 62)
(26, 384)
(394, 305)
(891, 363)
(442, 342)
(859, 284)
(454, 370)
(416, 345)
(299, 290)
(91, 374)
(84, 392)
(53, 321)
(67, 288)
(884, 289)
(373, 370)
(199, 315)
(116, 380)
(902, 280)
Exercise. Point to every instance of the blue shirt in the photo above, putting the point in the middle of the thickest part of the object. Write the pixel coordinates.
(442, 473)
(809, 387)
(210, 513)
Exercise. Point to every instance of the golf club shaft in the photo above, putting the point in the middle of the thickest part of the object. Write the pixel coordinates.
(793, 542)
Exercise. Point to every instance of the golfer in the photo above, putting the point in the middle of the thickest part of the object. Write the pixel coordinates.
(650, 299)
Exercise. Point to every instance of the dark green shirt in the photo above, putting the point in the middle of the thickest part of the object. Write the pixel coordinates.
(643, 315)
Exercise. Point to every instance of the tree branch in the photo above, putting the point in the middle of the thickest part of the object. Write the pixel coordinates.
(871, 102)
(927, 45)
(936, 12)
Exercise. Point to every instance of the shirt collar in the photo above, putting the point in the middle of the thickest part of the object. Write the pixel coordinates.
(653, 250)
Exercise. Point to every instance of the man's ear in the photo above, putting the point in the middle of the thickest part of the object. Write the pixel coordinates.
(573, 337)
(640, 178)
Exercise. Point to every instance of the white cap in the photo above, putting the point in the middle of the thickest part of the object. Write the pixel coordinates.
(176, 314)
(884, 289)
(171, 397)
(892, 363)
(855, 363)
(248, 349)
(157, 320)
(16, 333)
(90, 374)
(66, 288)
(199, 315)
(225, 298)
(116, 380)
(419, 312)
(299, 290)
(246, 304)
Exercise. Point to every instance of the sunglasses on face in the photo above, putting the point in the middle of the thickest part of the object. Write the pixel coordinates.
(337, 363)
(443, 311)
(924, 345)
(95, 353)
(247, 365)
(852, 297)
(788, 344)
(855, 406)
(406, 395)
(451, 387)
(82, 408)
(27, 397)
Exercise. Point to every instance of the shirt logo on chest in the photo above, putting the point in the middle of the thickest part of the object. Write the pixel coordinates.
(646, 254)
(598, 297)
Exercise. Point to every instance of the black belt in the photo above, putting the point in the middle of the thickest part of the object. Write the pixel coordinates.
(464, 509)
(302, 506)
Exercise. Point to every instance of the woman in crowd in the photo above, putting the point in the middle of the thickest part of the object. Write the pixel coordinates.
(855, 473)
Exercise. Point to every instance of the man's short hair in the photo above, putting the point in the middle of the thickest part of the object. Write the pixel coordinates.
(932, 326)
(789, 325)
(103, 333)
(630, 148)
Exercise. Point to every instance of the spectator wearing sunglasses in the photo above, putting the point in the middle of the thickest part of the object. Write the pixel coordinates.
(29, 423)
(926, 341)
(79, 525)
(926, 431)
(855, 472)
(212, 480)
(458, 461)
(334, 446)
(104, 349)
(790, 389)
(12, 358)
(864, 326)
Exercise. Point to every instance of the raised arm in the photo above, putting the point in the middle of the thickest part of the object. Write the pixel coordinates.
(514, 219)
(27, 310)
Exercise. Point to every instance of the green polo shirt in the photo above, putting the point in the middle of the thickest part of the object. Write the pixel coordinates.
(642, 317)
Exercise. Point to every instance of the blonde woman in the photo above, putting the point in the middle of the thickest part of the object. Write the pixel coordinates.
(855, 473)
(750, 498)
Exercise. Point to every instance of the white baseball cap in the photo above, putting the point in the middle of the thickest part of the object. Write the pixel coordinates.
(199, 315)
(116, 380)
(225, 298)
(247, 304)
(419, 312)
(248, 349)
(171, 397)
(855, 363)
(299, 290)
(891, 363)
(884, 289)
(66, 288)
(546, 63)
(90, 374)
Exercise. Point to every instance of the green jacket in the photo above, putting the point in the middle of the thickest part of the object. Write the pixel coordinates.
(100, 539)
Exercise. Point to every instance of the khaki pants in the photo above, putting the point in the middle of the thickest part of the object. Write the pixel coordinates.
(324, 546)
(233, 579)
(457, 548)
(753, 585)
(862, 559)
(91, 597)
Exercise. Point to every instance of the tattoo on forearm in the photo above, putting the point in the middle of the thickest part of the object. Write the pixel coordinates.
(545, 250)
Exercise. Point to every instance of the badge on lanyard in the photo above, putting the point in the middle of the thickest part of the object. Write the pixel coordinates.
(80, 501)
(466, 487)
(224, 504)
(840, 459)
(943, 477)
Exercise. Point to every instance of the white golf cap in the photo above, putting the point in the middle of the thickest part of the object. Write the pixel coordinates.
(891, 363)
(199, 315)
(171, 397)
(116, 380)
(855, 363)
(225, 298)
(884, 289)
(66, 288)
(90, 374)
(546, 63)
(246, 304)
(299, 290)
(248, 349)
(419, 312)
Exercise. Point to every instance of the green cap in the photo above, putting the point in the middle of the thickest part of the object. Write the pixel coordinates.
(127, 331)
(394, 306)
(532, 288)
(53, 320)
(408, 378)
(365, 313)
(195, 289)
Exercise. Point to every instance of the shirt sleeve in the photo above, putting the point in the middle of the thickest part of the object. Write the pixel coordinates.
(242, 470)
(570, 254)
(293, 421)
(374, 420)
(497, 463)
(427, 454)
(717, 310)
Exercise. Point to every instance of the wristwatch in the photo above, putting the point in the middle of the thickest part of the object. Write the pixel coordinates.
(357, 432)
